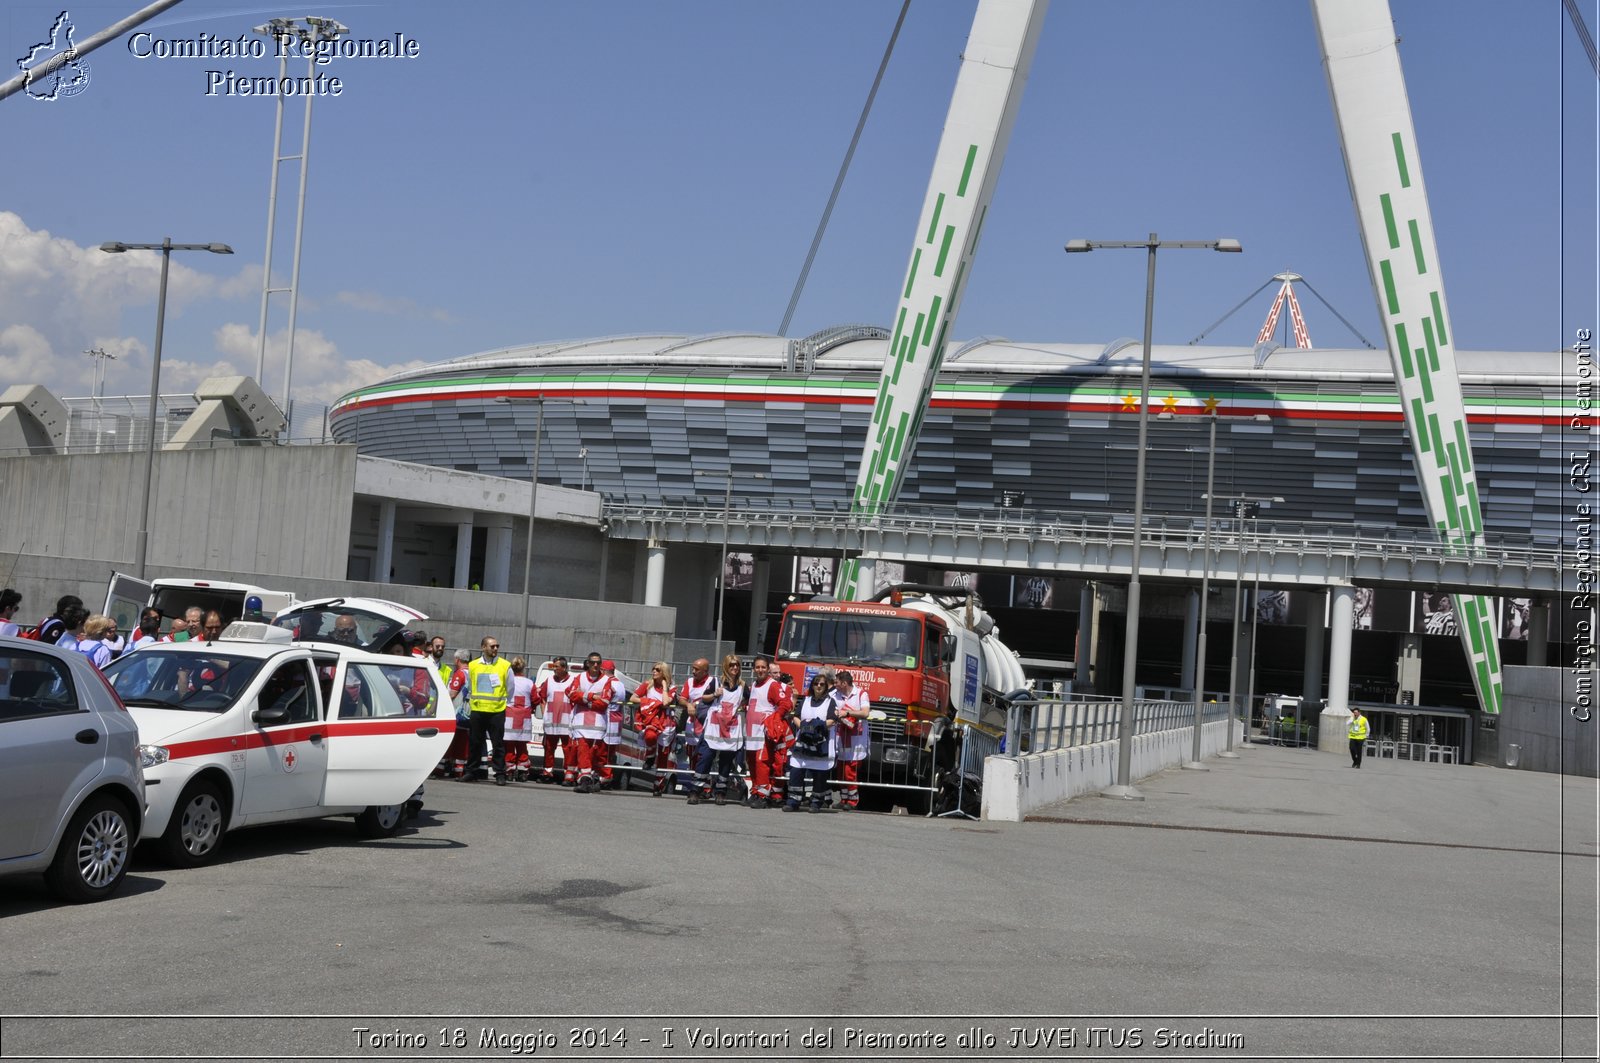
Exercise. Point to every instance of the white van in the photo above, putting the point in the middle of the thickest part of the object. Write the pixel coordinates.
(128, 596)
(256, 728)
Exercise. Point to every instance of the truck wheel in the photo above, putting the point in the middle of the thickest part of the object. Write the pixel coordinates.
(92, 858)
(195, 833)
(380, 821)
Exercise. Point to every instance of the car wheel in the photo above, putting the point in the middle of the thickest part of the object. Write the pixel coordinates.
(195, 833)
(92, 858)
(380, 821)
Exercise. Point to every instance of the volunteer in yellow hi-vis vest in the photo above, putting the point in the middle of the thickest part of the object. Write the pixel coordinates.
(488, 686)
(1358, 736)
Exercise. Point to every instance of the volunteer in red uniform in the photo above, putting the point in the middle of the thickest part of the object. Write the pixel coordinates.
(852, 738)
(695, 698)
(724, 735)
(606, 751)
(768, 695)
(657, 724)
(591, 698)
(519, 721)
(553, 692)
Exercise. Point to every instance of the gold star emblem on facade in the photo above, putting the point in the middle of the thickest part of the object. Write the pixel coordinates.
(1169, 404)
(1130, 404)
(1211, 405)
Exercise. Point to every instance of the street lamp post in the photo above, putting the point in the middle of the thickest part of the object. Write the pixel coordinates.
(537, 401)
(1243, 507)
(722, 561)
(1130, 657)
(1205, 592)
(166, 247)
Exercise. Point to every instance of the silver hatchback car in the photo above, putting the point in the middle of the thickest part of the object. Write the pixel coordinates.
(70, 783)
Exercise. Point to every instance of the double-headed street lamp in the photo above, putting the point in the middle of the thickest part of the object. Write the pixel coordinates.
(533, 498)
(1130, 658)
(166, 247)
(722, 570)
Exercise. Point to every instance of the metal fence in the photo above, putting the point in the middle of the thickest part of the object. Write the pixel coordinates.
(1038, 726)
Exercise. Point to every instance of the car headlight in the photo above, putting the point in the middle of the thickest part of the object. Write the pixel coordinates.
(150, 756)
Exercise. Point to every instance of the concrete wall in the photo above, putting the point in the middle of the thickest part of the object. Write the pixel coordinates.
(1016, 786)
(1536, 727)
(240, 509)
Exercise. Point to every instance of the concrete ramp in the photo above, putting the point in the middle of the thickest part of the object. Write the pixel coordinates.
(232, 410)
(32, 421)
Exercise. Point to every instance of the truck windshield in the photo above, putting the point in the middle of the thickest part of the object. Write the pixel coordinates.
(851, 639)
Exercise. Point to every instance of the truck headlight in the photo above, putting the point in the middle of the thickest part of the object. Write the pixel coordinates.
(150, 756)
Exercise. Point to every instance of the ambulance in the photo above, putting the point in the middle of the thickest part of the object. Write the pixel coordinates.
(256, 727)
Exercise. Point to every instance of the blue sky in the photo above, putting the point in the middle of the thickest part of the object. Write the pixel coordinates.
(564, 168)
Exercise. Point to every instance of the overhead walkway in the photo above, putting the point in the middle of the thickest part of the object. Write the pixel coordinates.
(1282, 553)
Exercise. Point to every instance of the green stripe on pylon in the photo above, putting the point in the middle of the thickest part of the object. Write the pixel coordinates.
(1438, 316)
(966, 171)
(933, 223)
(1433, 348)
(1400, 162)
(1388, 221)
(1438, 440)
(944, 250)
(1469, 612)
(1462, 448)
(1416, 247)
(1419, 419)
(1388, 286)
(1405, 350)
(933, 315)
(911, 277)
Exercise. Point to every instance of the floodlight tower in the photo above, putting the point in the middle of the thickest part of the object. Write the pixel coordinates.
(303, 35)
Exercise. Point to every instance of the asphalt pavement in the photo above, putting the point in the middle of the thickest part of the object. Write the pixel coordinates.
(1278, 904)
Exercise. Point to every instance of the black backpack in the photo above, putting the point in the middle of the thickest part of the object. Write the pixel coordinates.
(811, 739)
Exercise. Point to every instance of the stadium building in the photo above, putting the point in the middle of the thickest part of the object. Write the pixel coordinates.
(1049, 426)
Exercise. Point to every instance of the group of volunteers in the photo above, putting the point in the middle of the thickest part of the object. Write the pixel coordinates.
(714, 736)
(72, 626)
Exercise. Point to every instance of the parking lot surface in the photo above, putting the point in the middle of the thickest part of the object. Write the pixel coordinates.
(1282, 899)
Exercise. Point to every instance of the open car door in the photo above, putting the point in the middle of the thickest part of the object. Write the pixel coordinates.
(126, 597)
(389, 722)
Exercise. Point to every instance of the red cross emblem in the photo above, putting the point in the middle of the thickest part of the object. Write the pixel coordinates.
(288, 760)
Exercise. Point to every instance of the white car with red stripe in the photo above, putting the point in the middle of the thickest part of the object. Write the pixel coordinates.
(256, 728)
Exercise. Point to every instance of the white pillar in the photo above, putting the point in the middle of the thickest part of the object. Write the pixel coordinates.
(463, 574)
(1538, 631)
(866, 578)
(655, 572)
(758, 602)
(1316, 627)
(497, 556)
(1083, 655)
(1342, 621)
(1191, 632)
(385, 558)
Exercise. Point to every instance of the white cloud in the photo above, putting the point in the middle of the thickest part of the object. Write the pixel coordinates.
(321, 373)
(25, 355)
(58, 299)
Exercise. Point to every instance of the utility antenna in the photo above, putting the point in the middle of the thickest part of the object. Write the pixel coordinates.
(101, 356)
